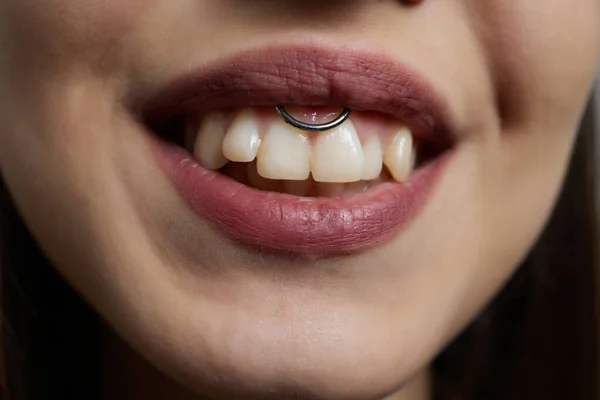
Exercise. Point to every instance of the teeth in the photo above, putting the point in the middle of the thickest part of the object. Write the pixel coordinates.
(398, 155)
(338, 155)
(258, 182)
(330, 189)
(373, 157)
(284, 154)
(298, 188)
(242, 140)
(356, 187)
(207, 149)
(289, 155)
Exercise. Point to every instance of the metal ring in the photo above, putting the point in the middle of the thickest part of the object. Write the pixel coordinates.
(288, 119)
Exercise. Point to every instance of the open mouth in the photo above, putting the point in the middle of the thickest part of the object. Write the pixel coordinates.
(256, 148)
(270, 185)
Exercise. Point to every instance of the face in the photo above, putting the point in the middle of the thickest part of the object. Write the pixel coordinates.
(216, 277)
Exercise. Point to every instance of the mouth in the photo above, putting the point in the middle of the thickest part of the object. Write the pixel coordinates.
(265, 184)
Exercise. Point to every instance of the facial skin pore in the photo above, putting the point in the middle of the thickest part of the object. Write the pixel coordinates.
(225, 320)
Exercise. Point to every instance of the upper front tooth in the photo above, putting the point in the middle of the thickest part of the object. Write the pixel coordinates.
(242, 140)
(284, 153)
(398, 155)
(209, 142)
(338, 155)
(373, 158)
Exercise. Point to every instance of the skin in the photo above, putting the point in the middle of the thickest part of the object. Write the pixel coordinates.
(222, 321)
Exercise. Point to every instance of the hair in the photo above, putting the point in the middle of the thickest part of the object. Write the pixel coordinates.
(536, 340)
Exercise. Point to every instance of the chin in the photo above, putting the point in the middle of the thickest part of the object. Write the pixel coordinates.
(304, 359)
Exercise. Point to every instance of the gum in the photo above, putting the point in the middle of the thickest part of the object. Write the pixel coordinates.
(366, 123)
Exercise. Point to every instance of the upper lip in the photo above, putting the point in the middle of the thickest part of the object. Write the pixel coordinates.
(308, 75)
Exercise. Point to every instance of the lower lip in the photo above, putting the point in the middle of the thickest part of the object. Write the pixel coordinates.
(325, 226)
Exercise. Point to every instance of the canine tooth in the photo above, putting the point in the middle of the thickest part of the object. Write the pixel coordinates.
(209, 141)
(398, 155)
(373, 157)
(284, 153)
(242, 140)
(338, 155)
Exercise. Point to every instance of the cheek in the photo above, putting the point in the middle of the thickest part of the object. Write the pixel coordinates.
(51, 48)
(560, 42)
(64, 31)
(542, 55)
